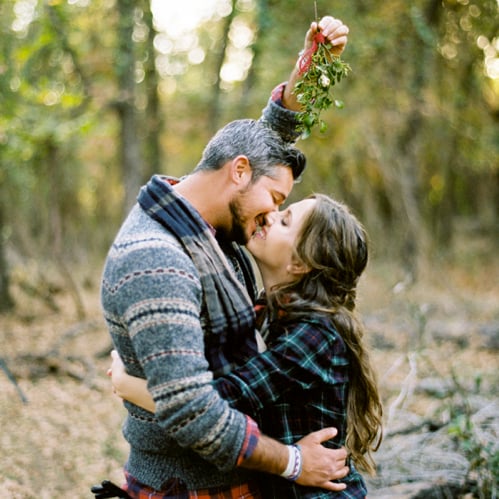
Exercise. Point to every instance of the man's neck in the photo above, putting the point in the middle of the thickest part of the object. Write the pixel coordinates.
(208, 194)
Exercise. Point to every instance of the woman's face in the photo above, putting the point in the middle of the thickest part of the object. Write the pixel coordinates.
(273, 245)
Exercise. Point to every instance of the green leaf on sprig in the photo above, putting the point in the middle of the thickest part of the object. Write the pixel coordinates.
(314, 89)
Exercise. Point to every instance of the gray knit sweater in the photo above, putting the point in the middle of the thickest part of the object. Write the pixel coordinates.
(195, 435)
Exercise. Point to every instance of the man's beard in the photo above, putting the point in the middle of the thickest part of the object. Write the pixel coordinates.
(237, 232)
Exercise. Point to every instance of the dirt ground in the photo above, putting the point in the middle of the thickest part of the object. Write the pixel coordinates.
(66, 436)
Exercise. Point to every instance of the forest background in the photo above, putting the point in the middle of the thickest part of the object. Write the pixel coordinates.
(96, 96)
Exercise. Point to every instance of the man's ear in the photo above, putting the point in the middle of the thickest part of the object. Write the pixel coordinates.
(241, 169)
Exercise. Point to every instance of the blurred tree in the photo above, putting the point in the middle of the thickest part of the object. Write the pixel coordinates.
(219, 58)
(6, 301)
(416, 124)
(44, 103)
(49, 114)
(154, 119)
(125, 67)
(137, 103)
(262, 24)
(83, 123)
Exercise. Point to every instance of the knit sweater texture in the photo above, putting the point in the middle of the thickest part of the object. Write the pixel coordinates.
(155, 308)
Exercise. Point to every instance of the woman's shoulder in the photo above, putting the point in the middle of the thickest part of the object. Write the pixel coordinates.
(319, 328)
(313, 321)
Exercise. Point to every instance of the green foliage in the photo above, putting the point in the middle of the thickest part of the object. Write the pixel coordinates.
(314, 89)
(483, 456)
(416, 142)
(49, 122)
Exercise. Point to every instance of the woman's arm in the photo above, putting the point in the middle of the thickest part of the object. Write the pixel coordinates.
(300, 358)
(281, 111)
(129, 387)
(336, 33)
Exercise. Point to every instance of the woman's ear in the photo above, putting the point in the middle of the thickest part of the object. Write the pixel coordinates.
(297, 267)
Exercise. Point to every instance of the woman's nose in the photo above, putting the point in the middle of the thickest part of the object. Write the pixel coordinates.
(270, 217)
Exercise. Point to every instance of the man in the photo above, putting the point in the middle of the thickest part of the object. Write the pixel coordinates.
(175, 297)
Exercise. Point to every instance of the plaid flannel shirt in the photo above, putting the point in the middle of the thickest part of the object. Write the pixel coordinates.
(297, 386)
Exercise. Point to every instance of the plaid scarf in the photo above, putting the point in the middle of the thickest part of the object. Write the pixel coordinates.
(229, 309)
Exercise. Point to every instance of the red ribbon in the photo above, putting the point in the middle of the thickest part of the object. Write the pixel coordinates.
(306, 58)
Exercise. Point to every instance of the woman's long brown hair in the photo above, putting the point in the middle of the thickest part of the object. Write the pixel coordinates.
(333, 244)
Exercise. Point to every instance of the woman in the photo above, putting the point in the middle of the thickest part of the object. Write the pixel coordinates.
(315, 371)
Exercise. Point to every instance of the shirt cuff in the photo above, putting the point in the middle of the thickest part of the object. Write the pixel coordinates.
(277, 93)
(250, 440)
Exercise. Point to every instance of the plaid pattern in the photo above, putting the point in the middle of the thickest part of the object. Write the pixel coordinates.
(277, 94)
(298, 385)
(250, 440)
(175, 489)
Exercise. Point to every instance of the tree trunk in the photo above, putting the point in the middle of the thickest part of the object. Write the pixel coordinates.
(6, 301)
(214, 110)
(153, 118)
(408, 144)
(258, 47)
(125, 69)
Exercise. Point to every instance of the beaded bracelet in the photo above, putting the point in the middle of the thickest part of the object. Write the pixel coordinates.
(294, 467)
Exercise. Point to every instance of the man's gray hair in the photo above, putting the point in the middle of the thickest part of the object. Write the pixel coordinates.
(263, 147)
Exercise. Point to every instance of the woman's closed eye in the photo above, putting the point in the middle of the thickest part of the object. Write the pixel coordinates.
(286, 218)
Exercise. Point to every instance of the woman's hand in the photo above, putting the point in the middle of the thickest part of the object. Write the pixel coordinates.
(129, 387)
(118, 375)
(335, 32)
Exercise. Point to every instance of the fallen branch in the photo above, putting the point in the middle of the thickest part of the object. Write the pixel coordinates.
(52, 362)
(13, 380)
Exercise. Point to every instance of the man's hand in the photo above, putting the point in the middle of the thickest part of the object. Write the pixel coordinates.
(321, 465)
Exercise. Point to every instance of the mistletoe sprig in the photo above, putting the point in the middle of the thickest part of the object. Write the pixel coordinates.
(320, 70)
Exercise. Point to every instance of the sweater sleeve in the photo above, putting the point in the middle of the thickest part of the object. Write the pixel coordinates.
(279, 118)
(152, 299)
